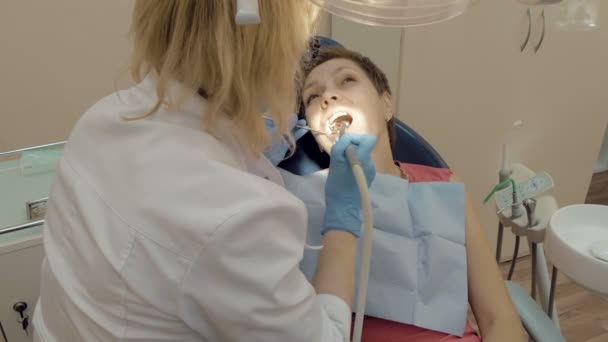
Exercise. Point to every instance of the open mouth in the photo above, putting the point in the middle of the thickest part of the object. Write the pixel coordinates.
(337, 120)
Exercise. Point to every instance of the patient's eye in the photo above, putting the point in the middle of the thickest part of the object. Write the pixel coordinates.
(348, 79)
(310, 98)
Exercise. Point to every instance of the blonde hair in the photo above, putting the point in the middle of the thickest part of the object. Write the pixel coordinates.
(238, 68)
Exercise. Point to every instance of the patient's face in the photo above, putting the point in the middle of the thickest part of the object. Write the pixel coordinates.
(340, 91)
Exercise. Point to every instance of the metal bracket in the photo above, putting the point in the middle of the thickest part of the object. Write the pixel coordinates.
(36, 210)
(527, 38)
(542, 36)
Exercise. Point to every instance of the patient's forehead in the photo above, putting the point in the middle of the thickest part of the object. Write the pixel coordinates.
(330, 69)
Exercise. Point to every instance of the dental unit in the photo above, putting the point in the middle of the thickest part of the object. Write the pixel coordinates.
(522, 205)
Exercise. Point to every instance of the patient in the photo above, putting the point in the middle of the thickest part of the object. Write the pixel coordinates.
(343, 86)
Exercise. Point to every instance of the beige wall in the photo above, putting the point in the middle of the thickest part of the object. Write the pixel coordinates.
(324, 24)
(380, 44)
(466, 82)
(58, 58)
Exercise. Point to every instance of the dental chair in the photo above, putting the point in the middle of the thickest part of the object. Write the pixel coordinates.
(410, 147)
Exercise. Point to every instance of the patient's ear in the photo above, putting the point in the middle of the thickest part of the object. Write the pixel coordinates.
(387, 102)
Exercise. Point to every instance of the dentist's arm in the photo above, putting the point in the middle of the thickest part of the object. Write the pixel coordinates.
(335, 272)
(245, 284)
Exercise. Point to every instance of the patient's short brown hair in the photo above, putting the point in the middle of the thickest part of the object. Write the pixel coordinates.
(373, 72)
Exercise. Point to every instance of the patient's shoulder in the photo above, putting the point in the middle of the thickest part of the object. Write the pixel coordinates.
(421, 173)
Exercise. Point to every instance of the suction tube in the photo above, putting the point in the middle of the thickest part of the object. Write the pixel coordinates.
(368, 220)
(367, 242)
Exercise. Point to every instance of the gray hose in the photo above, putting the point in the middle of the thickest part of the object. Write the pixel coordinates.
(514, 260)
(501, 229)
(533, 281)
(552, 291)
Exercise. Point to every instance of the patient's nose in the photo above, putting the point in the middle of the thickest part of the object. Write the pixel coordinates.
(329, 99)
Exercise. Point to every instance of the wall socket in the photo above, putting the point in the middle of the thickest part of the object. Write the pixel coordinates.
(36, 210)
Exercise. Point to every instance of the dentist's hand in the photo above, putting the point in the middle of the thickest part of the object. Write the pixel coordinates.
(342, 197)
(280, 145)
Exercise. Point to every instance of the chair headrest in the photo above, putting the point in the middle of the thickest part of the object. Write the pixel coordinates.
(410, 147)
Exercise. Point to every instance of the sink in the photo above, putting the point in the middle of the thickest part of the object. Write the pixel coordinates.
(577, 244)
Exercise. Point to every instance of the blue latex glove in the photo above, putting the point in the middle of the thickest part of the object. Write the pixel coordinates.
(342, 197)
(276, 153)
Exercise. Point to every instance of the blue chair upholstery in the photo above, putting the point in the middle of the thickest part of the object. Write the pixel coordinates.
(409, 147)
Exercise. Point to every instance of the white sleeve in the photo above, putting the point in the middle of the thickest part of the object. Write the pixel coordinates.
(245, 284)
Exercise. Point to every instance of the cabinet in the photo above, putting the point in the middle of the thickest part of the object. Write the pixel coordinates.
(20, 262)
(25, 178)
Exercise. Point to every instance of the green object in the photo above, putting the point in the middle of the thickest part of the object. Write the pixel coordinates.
(500, 186)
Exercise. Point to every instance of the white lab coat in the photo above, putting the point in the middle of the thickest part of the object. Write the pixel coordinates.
(157, 231)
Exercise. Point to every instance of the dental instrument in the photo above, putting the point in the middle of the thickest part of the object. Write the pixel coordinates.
(300, 126)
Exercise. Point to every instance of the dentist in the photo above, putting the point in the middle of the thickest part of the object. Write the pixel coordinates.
(165, 220)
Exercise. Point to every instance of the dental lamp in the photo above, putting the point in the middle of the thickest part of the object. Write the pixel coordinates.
(539, 2)
(396, 13)
(393, 13)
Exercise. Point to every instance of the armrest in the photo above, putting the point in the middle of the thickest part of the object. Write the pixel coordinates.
(536, 322)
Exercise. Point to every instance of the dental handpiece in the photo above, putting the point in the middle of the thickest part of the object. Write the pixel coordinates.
(351, 156)
(368, 220)
(311, 129)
